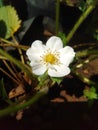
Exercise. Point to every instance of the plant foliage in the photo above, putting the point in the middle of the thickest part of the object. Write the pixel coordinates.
(9, 21)
(3, 94)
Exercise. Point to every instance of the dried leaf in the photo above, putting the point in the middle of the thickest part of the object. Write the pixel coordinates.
(17, 91)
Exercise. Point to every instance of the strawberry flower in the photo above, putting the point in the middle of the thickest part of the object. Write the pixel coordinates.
(51, 58)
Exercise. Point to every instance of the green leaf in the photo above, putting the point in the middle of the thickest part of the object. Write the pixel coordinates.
(9, 21)
(82, 5)
(3, 93)
(63, 38)
(58, 80)
(91, 94)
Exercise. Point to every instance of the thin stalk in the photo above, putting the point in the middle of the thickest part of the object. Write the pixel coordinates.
(9, 76)
(14, 68)
(57, 16)
(22, 66)
(86, 53)
(3, 58)
(86, 44)
(10, 69)
(19, 50)
(7, 43)
(15, 46)
(17, 107)
(79, 22)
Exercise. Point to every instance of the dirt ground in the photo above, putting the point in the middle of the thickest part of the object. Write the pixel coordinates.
(55, 116)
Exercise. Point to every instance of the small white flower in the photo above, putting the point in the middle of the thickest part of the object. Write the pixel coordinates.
(51, 57)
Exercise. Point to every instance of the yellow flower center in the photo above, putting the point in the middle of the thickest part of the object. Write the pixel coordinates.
(50, 58)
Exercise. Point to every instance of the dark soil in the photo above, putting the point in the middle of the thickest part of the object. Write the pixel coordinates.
(63, 108)
(55, 116)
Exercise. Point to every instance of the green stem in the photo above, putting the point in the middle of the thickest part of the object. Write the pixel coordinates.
(79, 22)
(86, 53)
(57, 16)
(17, 107)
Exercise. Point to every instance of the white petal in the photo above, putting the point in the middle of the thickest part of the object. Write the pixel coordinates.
(31, 55)
(58, 71)
(67, 55)
(38, 45)
(39, 69)
(36, 50)
(35, 64)
(54, 43)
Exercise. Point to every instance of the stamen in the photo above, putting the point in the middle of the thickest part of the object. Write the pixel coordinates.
(50, 57)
